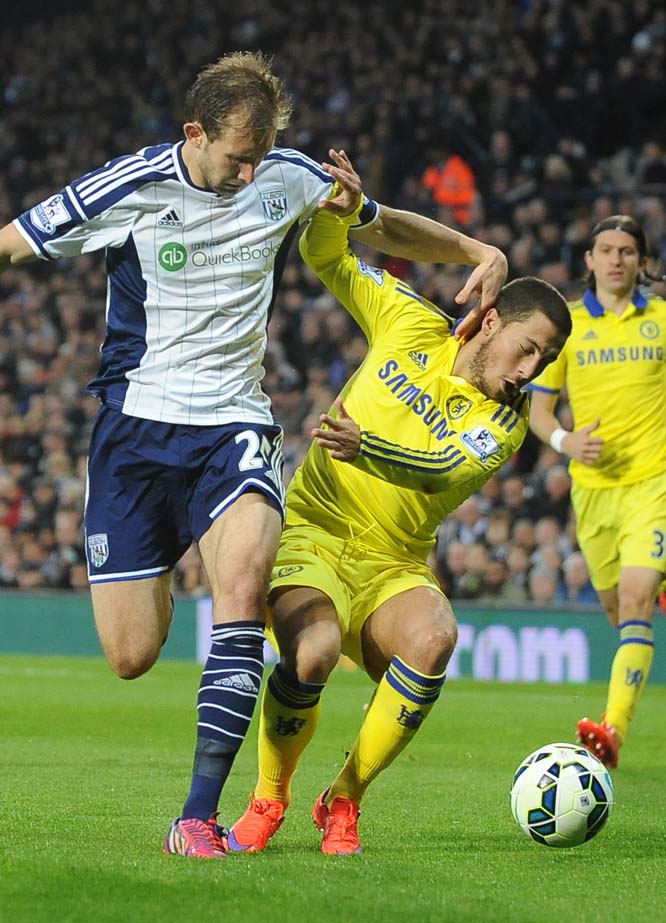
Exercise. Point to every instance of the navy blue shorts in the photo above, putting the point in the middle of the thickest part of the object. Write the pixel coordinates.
(153, 487)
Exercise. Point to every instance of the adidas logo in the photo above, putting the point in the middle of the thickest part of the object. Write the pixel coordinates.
(170, 220)
(241, 681)
(419, 359)
(590, 335)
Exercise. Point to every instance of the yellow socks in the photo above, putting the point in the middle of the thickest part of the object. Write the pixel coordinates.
(629, 673)
(289, 717)
(403, 698)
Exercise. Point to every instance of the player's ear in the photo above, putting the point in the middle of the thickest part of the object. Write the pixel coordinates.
(491, 321)
(194, 133)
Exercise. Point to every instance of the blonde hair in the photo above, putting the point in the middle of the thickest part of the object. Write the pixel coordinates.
(240, 82)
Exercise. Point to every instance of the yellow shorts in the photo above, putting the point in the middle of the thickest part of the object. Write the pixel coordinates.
(621, 527)
(356, 578)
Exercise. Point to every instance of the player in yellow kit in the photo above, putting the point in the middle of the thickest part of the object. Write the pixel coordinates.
(437, 418)
(613, 369)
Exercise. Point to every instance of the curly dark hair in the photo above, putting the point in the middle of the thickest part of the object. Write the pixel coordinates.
(519, 299)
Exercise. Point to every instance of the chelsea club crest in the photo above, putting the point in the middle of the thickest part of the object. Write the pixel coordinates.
(457, 406)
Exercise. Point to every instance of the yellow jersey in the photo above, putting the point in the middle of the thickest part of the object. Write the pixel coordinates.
(429, 438)
(613, 369)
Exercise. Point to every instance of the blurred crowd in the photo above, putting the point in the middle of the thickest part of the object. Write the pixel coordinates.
(520, 122)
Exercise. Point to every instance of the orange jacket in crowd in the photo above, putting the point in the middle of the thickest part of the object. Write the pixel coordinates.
(453, 184)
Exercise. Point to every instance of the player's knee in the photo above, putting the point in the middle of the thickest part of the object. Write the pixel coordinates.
(131, 664)
(316, 655)
(635, 603)
(431, 648)
(317, 668)
(309, 669)
(247, 598)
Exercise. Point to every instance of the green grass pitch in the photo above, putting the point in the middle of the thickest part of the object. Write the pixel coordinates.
(93, 770)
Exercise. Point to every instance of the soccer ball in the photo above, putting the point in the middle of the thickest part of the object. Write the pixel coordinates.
(561, 795)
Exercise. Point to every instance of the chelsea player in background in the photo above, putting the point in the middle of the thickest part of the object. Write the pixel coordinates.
(185, 446)
(613, 370)
(437, 419)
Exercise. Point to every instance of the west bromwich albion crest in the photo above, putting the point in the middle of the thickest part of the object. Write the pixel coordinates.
(99, 548)
(275, 204)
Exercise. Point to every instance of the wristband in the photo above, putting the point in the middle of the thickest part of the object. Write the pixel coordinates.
(557, 438)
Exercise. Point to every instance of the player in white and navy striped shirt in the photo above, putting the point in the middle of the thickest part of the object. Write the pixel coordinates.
(185, 446)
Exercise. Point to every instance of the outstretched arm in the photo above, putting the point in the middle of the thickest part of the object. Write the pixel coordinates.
(14, 250)
(414, 237)
(580, 444)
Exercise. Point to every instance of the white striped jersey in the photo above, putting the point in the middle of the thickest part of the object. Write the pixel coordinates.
(191, 277)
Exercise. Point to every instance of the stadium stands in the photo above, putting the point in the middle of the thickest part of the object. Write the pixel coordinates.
(551, 106)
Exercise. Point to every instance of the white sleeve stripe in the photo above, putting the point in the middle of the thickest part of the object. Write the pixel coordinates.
(297, 155)
(300, 160)
(119, 182)
(305, 161)
(121, 163)
(106, 172)
(107, 182)
(73, 200)
(165, 159)
(157, 157)
(126, 165)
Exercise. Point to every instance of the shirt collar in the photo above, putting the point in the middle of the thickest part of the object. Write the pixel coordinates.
(596, 309)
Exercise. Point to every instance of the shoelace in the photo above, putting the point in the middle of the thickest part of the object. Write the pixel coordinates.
(342, 824)
(263, 807)
(260, 807)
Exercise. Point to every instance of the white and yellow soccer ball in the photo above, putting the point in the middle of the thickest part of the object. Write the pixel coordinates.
(561, 795)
